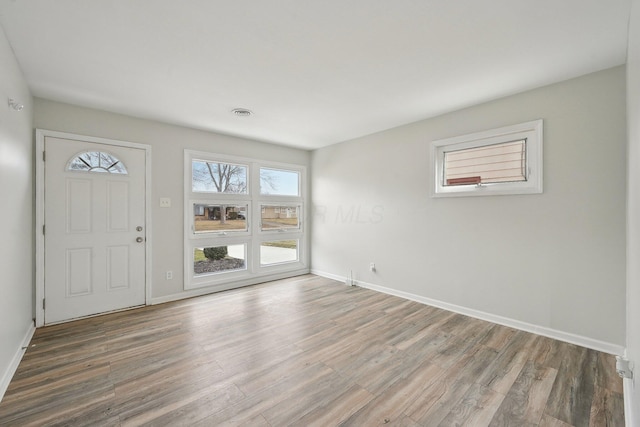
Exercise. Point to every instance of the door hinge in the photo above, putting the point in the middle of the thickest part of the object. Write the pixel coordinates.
(43, 229)
(44, 304)
(44, 156)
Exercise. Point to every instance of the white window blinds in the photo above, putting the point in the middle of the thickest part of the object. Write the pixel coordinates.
(497, 163)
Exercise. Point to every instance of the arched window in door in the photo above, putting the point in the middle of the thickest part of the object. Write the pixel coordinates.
(96, 161)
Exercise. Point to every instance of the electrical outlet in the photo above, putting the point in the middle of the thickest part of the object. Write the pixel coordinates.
(169, 275)
(165, 202)
(372, 266)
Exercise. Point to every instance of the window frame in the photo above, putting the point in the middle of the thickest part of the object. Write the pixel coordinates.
(253, 237)
(278, 200)
(531, 131)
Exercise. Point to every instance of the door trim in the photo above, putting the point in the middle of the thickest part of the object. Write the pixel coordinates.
(40, 209)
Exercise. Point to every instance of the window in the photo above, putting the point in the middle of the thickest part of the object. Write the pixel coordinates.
(218, 177)
(279, 217)
(219, 218)
(501, 161)
(219, 259)
(278, 182)
(243, 219)
(278, 252)
(281, 214)
(96, 161)
(497, 163)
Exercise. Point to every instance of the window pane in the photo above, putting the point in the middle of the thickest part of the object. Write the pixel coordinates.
(96, 161)
(219, 259)
(217, 218)
(505, 162)
(217, 177)
(279, 217)
(278, 251)
(279, 182)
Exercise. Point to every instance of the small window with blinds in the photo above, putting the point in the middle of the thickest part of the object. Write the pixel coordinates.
(505, 162)
(501, 161)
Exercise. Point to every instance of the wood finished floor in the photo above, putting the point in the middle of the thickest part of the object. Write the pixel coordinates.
(306, 351)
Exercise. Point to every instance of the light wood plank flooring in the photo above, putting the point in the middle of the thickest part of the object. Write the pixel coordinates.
(306, 351)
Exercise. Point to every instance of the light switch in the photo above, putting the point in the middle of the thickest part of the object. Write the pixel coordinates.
(165, 202)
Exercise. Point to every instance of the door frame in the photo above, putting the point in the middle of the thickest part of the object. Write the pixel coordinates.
(41, 134)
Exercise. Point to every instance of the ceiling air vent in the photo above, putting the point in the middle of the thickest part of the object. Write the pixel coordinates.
(241, 112)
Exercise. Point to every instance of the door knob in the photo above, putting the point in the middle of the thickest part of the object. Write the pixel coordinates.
(139, 228)
(139, 239)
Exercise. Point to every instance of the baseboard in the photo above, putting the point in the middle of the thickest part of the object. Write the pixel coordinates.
(627, 390)
(602, 346)
(225, 287)
(13, 366)
(335, 277)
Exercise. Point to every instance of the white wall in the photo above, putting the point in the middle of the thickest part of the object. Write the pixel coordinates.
(168, 143)
(16, 213)
(554, 260)
(632, 388)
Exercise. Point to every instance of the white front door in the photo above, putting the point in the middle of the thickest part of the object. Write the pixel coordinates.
(94, 237)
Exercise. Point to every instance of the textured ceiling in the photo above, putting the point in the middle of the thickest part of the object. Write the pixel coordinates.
(313, 72)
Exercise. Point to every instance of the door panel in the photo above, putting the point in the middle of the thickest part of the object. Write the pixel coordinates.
(118, 206)
(78, 272)
(94, 262)
(117, 267)
(78, 206)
